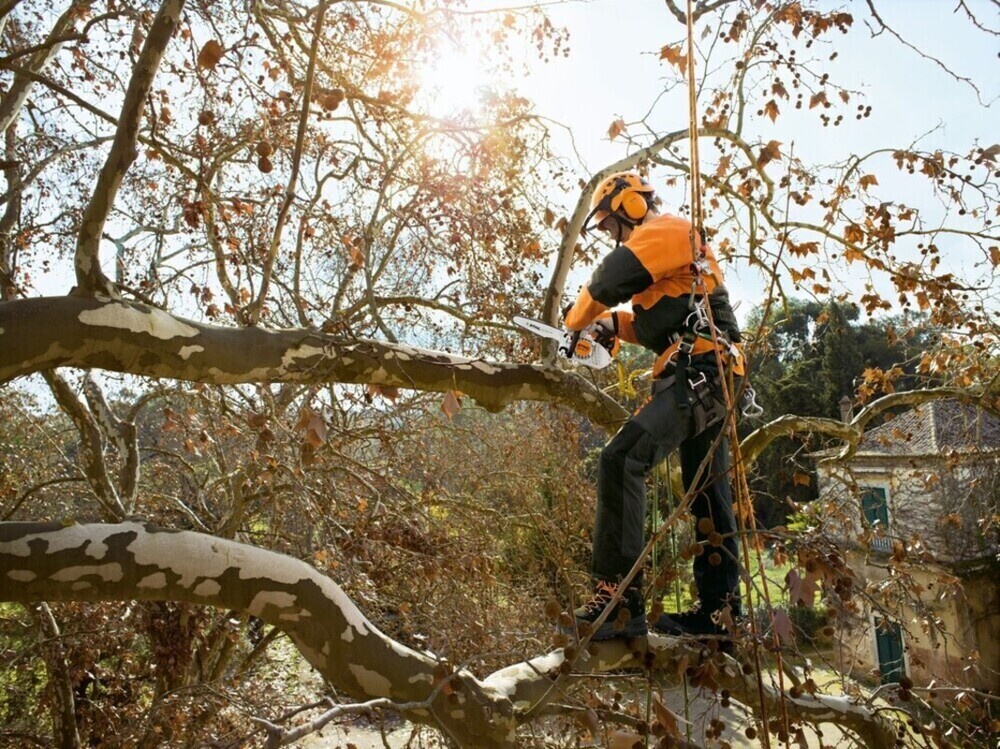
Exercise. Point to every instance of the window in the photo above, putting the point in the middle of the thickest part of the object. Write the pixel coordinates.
(889, 646)
(876, 512)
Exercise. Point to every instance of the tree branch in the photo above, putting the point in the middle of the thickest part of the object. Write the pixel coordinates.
(254, 309)
(885, 27)
(14, 98)
(51, 561)
(755, 443)
(564, 257)
(528, 682)
(42, 333)
(91, 446)
(90, 279)
(124, 436)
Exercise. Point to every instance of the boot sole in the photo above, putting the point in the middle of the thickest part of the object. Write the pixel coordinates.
(636, 627)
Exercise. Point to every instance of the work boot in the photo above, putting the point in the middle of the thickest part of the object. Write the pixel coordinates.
(694, 623)
(626, 619)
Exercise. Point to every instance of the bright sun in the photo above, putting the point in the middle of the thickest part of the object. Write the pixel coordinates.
(454, 82)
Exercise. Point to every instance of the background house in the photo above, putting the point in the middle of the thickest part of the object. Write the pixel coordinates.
(922, 488)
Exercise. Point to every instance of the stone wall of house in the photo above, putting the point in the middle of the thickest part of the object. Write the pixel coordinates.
(937, 505)
(950, 623)
(983, 594)
(949, 636)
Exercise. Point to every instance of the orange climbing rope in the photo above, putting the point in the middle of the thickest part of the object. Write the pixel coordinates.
(744, 505)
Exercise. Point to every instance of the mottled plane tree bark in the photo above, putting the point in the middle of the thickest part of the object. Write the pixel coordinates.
(136, 561)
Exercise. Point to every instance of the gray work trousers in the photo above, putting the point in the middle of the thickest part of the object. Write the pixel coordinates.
(656, 429)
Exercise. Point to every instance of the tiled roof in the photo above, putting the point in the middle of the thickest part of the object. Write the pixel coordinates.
(935, 428)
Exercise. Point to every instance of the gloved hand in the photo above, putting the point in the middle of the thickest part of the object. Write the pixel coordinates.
(568, 346)
(602, 330)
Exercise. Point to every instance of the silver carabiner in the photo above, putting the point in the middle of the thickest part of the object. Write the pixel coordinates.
(751, 408)
(700, 318)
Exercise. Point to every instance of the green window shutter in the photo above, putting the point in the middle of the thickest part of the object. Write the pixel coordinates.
(876, 513)
(889, 643)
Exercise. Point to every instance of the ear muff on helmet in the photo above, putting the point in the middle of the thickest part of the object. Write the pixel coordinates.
(632, 203)
(625, 195)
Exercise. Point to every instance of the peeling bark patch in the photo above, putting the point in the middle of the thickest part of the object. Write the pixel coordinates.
(429, 678)
(111, 572)
(207, 588)
(182, 554)
(186, 351)
(22, 576)
(185, 554)
(61, 539)
(276, 598)
(300, 352)
(372, 682)
(348, 635)
(486, 367)
(316, 659)
(224, 377)
(156, 580)
(154, 322)
(505, 680)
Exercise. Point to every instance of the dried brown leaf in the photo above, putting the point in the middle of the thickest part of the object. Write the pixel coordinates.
(210, 55)
(451, 404)
(617, 128)
(867, 181)
(666, 718)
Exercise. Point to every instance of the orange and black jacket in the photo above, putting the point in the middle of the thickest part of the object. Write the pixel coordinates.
(654, 269)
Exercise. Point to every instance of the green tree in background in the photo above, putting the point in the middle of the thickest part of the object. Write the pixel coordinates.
(812, 354)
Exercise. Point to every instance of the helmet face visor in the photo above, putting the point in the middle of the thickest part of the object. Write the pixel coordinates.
(606, 223)
(615, 227)
(599, 217)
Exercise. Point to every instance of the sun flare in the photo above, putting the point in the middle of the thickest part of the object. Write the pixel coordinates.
(455, 81)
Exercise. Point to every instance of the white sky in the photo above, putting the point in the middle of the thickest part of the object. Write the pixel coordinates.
(614, 70)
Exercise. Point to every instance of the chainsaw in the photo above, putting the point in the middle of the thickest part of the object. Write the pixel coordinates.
(579, 346)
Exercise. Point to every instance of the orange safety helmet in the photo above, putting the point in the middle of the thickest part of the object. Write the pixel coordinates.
(625, 195)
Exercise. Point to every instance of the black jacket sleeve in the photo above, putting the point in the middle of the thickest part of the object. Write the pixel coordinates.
(619, 276)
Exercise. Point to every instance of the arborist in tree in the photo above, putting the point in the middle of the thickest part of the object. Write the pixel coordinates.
(654, 265)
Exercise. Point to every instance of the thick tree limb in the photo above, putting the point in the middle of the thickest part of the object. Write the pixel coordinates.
(51, 561)
(60, 681)
(89, 277)
(528, 682)
(755, 443)
(14, 98)
(39, 334)
(124, 436)
(132, 561)
(91, 455)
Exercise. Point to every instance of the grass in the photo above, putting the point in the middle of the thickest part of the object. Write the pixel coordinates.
(682, 596)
